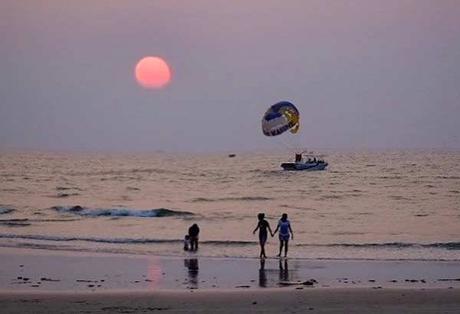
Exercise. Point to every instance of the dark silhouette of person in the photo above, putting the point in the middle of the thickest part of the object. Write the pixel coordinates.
(285, 232)
(262, 226)
(298, 157)
(193, 233)
(262, 274)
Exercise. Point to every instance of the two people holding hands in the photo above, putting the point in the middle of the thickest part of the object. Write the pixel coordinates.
(285, 232)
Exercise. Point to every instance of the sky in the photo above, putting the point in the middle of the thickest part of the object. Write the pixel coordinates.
(364, 74)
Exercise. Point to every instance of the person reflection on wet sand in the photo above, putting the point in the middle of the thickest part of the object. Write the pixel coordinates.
(262, 274)
(192, 265)
(284, 270)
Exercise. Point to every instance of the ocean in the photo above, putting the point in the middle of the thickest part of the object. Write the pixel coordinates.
(399, 205)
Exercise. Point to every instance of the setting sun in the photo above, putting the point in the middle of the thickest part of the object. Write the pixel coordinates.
(152, 72)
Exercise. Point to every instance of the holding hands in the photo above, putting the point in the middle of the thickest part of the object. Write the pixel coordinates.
(285, 232)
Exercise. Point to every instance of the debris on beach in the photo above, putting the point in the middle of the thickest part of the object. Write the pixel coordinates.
(85, 280)
(49, 279)
(309, 282)
(449, 279)
(411, 280)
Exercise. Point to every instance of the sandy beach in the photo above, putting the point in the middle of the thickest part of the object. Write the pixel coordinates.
(37, 281)
(358, 300)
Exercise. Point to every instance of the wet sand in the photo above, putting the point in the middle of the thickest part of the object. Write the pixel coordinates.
(330, 300)
(38, 281)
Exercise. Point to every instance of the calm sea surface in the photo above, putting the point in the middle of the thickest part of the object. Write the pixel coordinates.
(388, 205)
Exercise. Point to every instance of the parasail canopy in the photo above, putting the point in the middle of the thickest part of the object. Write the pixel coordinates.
(279, 118)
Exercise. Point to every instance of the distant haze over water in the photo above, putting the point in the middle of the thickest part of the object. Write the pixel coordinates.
(364, 74)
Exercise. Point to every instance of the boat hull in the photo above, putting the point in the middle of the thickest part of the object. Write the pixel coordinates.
(299, 166)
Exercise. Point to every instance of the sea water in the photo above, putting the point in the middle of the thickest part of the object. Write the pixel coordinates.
(367, 205)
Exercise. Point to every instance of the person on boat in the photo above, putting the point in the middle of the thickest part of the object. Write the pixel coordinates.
(285, 232)
(298, 157)
(193, 233)
(262, 226)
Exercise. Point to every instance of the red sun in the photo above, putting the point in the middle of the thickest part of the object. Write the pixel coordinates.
(152, 72)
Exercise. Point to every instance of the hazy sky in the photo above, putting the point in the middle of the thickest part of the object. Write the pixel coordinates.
(364, 74)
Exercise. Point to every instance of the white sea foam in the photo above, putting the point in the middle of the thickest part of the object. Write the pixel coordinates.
(120, 212)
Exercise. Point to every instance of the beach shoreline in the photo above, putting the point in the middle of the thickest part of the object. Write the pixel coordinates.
(40, 281)
(45, 270)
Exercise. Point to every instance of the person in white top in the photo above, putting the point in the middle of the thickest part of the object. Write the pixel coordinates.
(285, 232)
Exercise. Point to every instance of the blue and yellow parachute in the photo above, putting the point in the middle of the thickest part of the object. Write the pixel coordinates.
(279, 118)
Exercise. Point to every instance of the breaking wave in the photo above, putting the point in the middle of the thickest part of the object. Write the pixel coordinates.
(5, 210)
(120, 212)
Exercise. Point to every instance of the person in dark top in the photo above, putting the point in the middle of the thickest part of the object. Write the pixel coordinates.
(262, 226)
(193, 233)
(298, 157)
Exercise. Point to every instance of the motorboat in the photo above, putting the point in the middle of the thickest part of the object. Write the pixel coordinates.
(308, 163)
